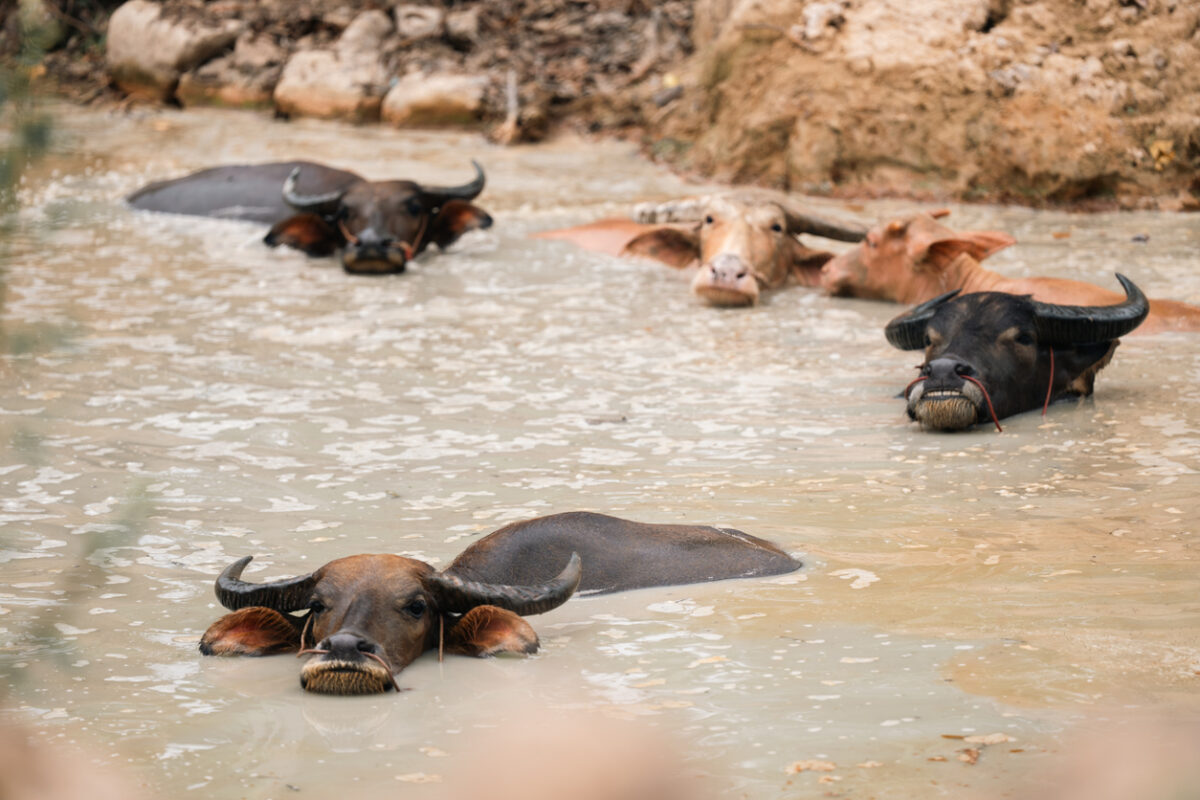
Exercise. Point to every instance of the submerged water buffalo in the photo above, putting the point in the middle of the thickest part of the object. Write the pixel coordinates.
(742, 243)
(369, 616)
(916, 258)
(377, 226)
(991, 354)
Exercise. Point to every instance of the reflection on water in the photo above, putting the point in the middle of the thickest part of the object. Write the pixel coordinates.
(185, 396)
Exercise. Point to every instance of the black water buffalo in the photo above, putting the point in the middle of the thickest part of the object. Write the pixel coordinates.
(989, 355)
(369, 616)
(378, 226)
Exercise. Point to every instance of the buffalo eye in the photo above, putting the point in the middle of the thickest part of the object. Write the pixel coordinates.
(1024, 339)
(708, 219)
(416, 607)
(928, 341)
(316, 606)
(775, 226)
(414, 207)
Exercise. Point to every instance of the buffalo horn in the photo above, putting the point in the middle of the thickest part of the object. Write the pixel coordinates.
(287, 595)
(801, 222)
(907, 331)
(459, 596)
(1067, 325)
(468, 191)
(315, 203)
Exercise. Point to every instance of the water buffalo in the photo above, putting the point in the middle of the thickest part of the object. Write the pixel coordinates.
(742, 243)
(915, 258)
(991, 354)
(377, 226)
(368, 616)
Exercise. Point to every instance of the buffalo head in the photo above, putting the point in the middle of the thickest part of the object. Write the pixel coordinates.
(907, 259)
(367, 617)
(743, 243)
(989, 355)
(377, 225)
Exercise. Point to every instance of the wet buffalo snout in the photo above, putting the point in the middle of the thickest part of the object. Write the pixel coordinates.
(347, 646)
(727, 269)
(948, 370)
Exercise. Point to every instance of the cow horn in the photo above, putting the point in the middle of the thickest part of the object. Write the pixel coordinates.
(802, 222)
(468, 191)
(459, 596)
(1066, 325)
(315, 203)
(907, 331)
(287, 595)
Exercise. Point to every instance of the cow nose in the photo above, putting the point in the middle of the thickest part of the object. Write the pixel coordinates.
(727, 268)
(347, 645)
(370, 237)
(949, 370)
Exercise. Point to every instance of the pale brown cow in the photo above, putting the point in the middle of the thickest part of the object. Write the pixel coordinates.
(742, 243)
(916, 258)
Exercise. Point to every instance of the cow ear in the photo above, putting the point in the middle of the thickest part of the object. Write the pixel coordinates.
(674, 247)
(454, 219)
(310, 233)
(939, 252)
(1076, 367)
(252, 631)
(490, 630)
(807, 263)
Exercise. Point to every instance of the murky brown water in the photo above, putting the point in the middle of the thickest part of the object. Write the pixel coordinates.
(178, 395)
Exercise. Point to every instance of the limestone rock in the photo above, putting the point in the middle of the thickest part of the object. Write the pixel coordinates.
(430, 100)
(146, 54)
(346, 82)
(415, 22)
(244, 79)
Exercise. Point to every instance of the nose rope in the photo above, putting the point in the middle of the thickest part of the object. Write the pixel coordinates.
(386, 669)
(312, 651)
(1051, 386)
(409, 249)
(350, 237)
(991, 410)
(908, 388)
(304, 633)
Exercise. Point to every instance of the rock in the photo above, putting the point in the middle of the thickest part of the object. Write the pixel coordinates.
(419, 22)
(463, 26)
(430, 100)
(346, 82)
(244, 79)
(146, 54)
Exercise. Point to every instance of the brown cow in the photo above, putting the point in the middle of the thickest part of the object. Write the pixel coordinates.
(369, 616)
(916, 258)
(742, 243)
(377, 226)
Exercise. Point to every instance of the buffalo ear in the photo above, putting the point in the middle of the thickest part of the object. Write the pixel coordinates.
(251, 631)
(454, 219)
(491, 630)
(1078, 366)
(310, 233)
(674, 247)
(807, 263)
(937, 254)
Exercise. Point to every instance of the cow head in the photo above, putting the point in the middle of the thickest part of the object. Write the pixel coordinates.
(990, 354)
(743, 244)
(369, 616)
(378, 225)
(907, 258)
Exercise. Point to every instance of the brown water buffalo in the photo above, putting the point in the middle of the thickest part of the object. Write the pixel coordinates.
(369, 616)
(915, 258)
(377, 226)
(742, 243)
(989, 355)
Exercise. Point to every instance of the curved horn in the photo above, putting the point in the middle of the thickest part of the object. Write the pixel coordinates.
(468, 191)
(287, 595)
(1087, 324)
(316, 203)
(907, 331)
(802, 222)
(459, 596)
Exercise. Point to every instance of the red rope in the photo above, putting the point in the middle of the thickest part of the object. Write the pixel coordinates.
(908, 388)
(991, 410)
(1051, 386)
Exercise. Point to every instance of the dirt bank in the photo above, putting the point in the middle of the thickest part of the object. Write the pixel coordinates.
(1087, 103)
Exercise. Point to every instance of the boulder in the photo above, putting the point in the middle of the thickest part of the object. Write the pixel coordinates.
(146, 54)
(346, 82)
(245, 78)
(419, 22)
(419, 100)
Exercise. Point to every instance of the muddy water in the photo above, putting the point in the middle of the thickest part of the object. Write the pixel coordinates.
(177, 395)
